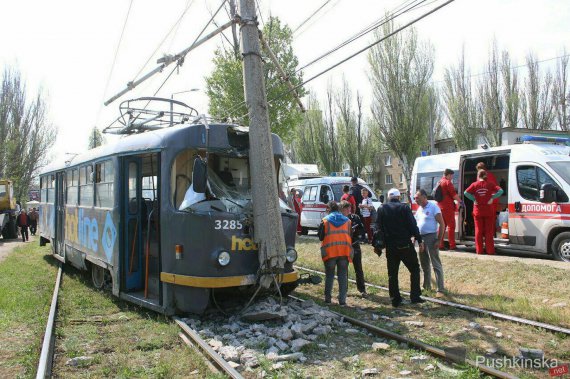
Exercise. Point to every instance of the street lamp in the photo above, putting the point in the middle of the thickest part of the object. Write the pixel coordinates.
(172, 105)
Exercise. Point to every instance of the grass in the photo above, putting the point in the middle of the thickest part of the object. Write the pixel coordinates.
(509, 287)
(123, 340)
(26, 287)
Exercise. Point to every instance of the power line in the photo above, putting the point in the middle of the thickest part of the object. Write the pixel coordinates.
(318, 17)
(360, 51)
(114, 60)
(311, 16)
(188, 5)
(512, 68)
(376, 24)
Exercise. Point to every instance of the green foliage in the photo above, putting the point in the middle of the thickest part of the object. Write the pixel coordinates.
(25, 132)
(95, 138)
(225, 84)
(400, 71)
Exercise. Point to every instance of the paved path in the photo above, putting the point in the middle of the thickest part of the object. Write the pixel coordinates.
(7, 246)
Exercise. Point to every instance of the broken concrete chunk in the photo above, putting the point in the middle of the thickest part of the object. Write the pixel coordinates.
(79, 361)
(379, 346)
(297, 345)
(369, 372)
(417, 324)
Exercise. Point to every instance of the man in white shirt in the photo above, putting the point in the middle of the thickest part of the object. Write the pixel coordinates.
(429, 218)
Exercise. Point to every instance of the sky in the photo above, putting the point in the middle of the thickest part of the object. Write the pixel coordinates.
(67, 48)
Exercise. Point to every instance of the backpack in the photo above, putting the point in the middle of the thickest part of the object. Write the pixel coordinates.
(437, 192)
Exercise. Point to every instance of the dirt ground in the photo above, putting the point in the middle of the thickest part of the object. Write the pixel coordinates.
(6, 246)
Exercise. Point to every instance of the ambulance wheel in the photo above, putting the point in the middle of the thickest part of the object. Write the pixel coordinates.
(561, 247)
(304, 231)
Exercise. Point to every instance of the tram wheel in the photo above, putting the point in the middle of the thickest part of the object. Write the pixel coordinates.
(561, 247)
(98, 276)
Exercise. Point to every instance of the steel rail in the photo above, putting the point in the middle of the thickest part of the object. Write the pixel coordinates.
(46, 356)
(214, 357)
(497, 315)
(420, 345)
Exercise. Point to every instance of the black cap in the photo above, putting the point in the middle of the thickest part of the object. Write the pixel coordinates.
(354, 179)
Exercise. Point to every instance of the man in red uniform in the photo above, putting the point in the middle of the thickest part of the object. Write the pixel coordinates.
(447, 206)
(482, 193)
(493, 180)
(348, 197)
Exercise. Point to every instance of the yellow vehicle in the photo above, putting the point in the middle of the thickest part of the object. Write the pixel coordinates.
(8, 206)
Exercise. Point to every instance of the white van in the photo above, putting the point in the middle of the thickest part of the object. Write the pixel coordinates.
(317, 192)
(535, 176)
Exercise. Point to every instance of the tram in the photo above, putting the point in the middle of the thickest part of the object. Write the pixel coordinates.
(162, 216)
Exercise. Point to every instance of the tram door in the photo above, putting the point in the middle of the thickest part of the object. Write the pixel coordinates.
(59, 212)
(132, 253)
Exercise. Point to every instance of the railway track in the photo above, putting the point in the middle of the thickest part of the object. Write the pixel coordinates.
(46, 355)
(435, 351)
(468, 308)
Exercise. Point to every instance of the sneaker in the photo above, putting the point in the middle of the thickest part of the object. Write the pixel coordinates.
(418, 301)
(440, 294)
(364, 295)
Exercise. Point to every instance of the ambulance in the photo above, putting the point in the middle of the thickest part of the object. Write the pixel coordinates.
(534, 208)
(317, 192)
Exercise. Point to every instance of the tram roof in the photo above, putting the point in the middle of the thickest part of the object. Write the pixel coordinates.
(222, 137)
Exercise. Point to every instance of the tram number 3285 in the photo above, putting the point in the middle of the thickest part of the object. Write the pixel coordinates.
(228, 224)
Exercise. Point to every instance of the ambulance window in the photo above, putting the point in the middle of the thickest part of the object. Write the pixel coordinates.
(527, 182)
(306, 193)
(313, 194)
(326, 194)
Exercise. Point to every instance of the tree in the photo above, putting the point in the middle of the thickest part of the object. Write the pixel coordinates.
(561, 93)
(95, 138)
(225, 84)
(511, 93)
(400, 71)
(305, 143)
(537, 106)
(490, 99)
(353, 135)
(25, 132)
(327, 138)
(461, 108)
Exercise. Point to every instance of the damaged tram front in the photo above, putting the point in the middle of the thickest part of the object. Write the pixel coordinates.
(163, 217)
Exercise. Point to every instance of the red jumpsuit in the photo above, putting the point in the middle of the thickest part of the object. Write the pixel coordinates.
(298, 209)
(484, 214)
(447, 207)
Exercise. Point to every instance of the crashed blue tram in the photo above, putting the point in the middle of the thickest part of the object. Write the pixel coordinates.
(127, 212)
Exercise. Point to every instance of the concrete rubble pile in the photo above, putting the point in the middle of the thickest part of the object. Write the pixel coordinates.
(270, 330)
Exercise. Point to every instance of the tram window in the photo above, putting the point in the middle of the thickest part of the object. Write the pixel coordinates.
(51, 189)
(149, 187)
(43, 189)
(72, 187)
(104, 179)
(86, 185)
(181, 178)
(133, 188)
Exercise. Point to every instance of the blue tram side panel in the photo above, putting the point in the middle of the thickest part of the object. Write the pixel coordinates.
(116, 210)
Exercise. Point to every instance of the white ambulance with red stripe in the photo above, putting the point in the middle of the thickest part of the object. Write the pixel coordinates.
(534, 211)
(317, 192)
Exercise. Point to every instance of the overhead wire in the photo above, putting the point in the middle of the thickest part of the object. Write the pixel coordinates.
(178, 23)
(114, 60)
(396, 12)
(179, 63)
(359, 52)
(311, 16)
(189, 4)
(318, 17)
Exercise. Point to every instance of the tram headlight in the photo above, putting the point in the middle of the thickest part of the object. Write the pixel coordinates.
(224, 258)
(291, 255)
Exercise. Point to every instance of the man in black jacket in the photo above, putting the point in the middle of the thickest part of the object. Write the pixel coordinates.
(356, 191)
(398, 224)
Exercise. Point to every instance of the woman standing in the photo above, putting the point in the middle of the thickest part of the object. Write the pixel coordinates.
(482, 193)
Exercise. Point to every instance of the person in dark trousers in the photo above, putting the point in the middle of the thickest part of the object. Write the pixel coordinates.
(24, 223)
(357, 238)
(336, 250)
(34, 216)
(398, 225)
(356, 191)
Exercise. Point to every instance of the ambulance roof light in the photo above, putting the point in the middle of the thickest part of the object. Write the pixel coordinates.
(528, 139)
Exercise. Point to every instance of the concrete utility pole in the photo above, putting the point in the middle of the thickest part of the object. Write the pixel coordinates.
(268, 228)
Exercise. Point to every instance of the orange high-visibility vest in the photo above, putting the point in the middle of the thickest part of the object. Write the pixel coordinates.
(337, 241)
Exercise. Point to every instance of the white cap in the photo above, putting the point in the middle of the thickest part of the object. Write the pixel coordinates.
(394, 192)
